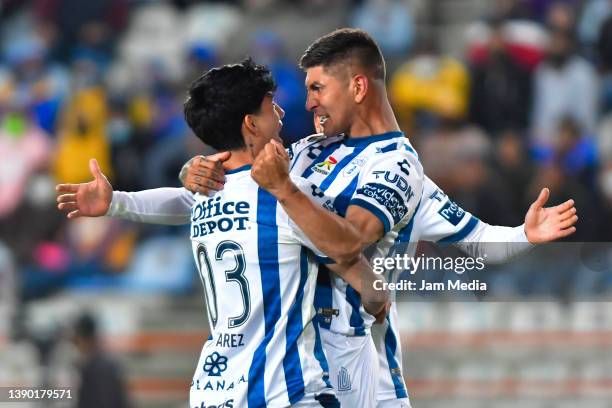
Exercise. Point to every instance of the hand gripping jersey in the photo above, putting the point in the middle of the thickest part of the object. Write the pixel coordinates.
(380, 173)
(259, 277)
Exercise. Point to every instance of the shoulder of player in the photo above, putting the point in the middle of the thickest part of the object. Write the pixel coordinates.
(394, 153)
(315, 139)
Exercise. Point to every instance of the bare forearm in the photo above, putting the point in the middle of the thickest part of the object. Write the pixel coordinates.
(330, 233)
(360, 276)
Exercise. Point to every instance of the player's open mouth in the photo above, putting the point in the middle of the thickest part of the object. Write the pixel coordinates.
(323, 119)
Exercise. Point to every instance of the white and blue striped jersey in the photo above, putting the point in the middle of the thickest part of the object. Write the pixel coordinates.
(437, 219)
(380, 173)
(259, 276)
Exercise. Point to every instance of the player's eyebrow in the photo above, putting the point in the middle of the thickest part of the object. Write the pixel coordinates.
(314, 86)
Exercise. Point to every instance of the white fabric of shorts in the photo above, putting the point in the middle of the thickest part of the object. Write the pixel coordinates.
(353, 368)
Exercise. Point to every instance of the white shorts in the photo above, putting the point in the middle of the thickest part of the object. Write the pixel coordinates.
(353, 368)
(394, 403)
(321, 401)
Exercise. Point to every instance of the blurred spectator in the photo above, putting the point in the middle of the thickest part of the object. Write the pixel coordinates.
(565, 85)
(594, 14)
(32, 83)
(82, 136)
(455, 157)
(561, 16)
(500, 89)
(24, 148)
(525, 41)
(94, 24)
(604, 55)
(268, 49)
(102, 383)
(513, 167)
(390, 24)
(211, 24)
(577, 153)
(428, 87)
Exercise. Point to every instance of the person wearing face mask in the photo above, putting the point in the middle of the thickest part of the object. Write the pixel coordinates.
(565, 84)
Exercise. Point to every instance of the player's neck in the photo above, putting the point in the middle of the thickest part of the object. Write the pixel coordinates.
(239, 158)
(374, 118)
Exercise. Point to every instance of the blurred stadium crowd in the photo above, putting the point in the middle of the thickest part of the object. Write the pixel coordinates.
(499, 97)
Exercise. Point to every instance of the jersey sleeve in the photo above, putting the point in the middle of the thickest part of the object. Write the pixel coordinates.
(166, 206)
(390, 186)
(315, 194)
(442, 220)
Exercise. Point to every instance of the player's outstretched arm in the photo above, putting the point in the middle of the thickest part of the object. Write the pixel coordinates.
(330, 233)
(542, 224)
(86, 199)
(360, 276)
(166, 206)
(204, 175)
(546, 224)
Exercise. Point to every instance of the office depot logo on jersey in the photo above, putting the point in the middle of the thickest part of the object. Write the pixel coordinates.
(326, 166)
(212, 216)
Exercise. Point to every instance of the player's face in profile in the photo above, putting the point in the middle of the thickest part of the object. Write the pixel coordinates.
(269, 120)
(329, 97)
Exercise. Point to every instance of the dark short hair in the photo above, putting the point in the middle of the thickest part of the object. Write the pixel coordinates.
(344, 46)
(219, 100)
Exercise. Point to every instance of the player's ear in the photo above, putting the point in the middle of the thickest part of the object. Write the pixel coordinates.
(360, 88)
(249, 124)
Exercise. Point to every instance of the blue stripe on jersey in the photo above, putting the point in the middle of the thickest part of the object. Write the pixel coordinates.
(239, 169)
(320, 355)
(458, 236)
(324, 260)
(342, 200)
(374, 210)
(353, 299)
(340, 166)
(323, 296)
(291, 362)
(390, 348)
(267, 250)
(404, 234)
(389, 148)
(329, 149)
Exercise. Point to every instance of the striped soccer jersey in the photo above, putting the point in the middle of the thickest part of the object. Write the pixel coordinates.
(437, 219)
(380, 173)
(259, 277)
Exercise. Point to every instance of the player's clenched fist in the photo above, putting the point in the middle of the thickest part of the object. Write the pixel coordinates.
(86, 199)
(271, 170)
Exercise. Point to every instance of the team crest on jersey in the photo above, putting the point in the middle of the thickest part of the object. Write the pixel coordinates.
(326, 166)
(353, 167)
(344, 380)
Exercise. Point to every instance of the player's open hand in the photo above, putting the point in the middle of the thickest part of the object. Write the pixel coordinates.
(545, 224)
(204, 175)
(271, 169)
(86, 199)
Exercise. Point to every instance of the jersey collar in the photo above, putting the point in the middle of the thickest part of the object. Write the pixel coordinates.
(239, 169)
(360, 141)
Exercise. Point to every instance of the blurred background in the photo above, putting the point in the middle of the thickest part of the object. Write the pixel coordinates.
(500, 97)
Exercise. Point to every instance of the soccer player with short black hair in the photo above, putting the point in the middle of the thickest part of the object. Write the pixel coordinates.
(258, 268)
